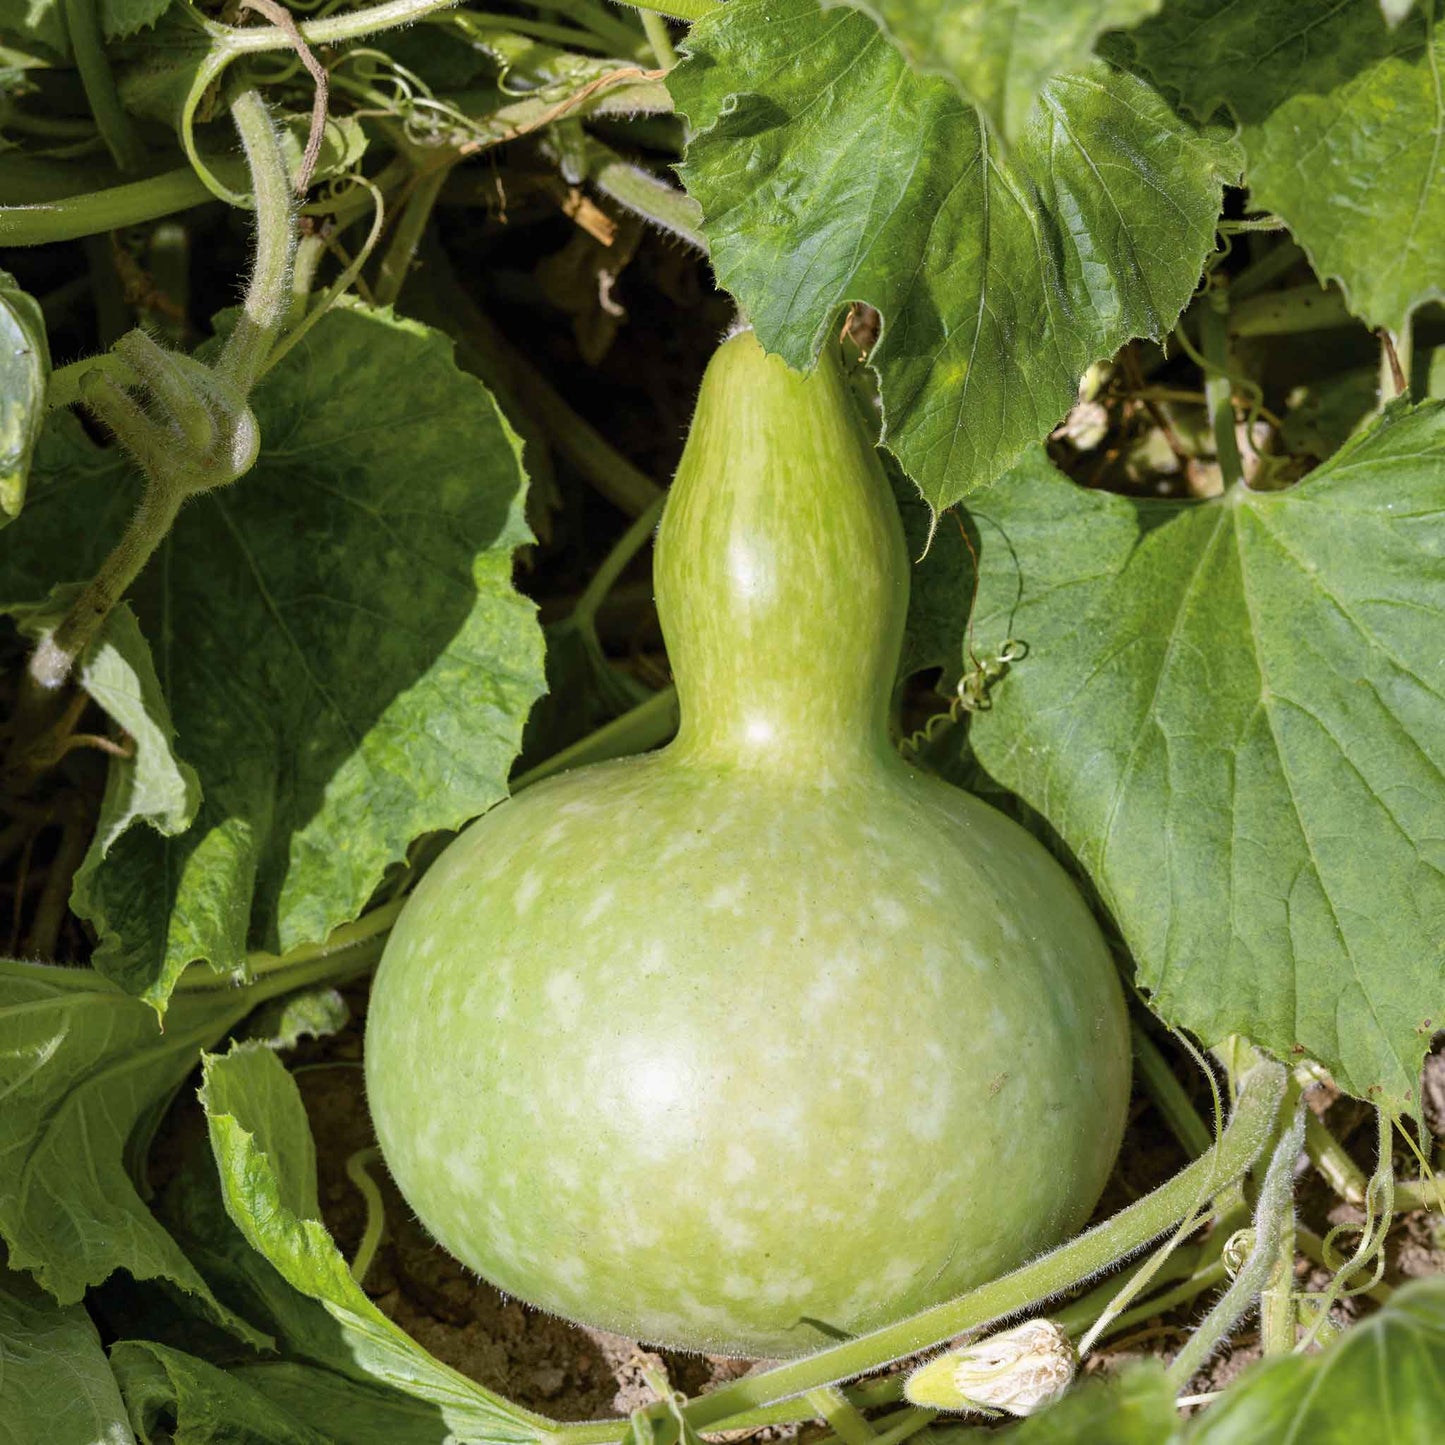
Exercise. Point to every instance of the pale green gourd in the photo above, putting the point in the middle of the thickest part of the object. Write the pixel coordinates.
(765, 1037)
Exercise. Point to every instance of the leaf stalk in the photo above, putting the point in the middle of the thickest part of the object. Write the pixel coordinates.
(1273, 1218)
(1219, 387)
(196, 432)
(81, 19)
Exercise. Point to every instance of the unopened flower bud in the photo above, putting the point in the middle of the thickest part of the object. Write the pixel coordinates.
(1017, 1371)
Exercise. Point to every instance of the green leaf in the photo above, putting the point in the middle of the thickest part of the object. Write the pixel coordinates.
(24, 371)
(85, 1073)
(43, 20)
(345, 1410)
(347, 662)
(154, 71)
(175, 1368)
(308, 1013)
(151, 785)
(1000, 52)
(177, 1399)
(1384, 1380)
(829, 172)
(1342, 119)
(55, 1383)
(193, 1208)
(1225, 706)
(317, 1377)
(266, 1158)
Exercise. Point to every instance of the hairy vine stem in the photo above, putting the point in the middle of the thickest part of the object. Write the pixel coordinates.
(603, 23)
(132, 204)
(56, 654)
(358, 1170)
(268, 296)
(1273, 1220)
(198, 432)
(627, 546)
(353, 25)
(659, 39)
(400, 256)
(1278, 1307)
(843, 1416)
(642, 193)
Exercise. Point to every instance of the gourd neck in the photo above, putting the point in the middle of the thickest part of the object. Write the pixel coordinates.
(782, 577)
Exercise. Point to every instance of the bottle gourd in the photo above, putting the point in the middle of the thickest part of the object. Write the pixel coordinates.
(766, 1037)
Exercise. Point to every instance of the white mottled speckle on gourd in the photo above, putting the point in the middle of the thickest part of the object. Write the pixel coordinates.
(766, 1036)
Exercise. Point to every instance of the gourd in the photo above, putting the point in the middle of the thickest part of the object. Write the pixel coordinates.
(766, 1037)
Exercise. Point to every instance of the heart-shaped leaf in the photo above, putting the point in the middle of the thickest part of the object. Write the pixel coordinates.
(1233, 713)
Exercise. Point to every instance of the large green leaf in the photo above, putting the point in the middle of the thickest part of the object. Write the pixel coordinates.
(1233, 712)
(265, 1155)
(1342, 118)
(194, 1209)
(1383, 1380)
(56, 1386)
(85, 1072)
(24, 372)
(829, 172)
(346, 660)
(1000, 52)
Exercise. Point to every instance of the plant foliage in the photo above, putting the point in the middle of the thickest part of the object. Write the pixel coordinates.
(334, 422)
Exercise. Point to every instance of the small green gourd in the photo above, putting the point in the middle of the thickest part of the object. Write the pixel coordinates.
(764, 1038)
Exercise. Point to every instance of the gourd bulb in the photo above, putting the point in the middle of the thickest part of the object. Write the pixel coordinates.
(757, 1040)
